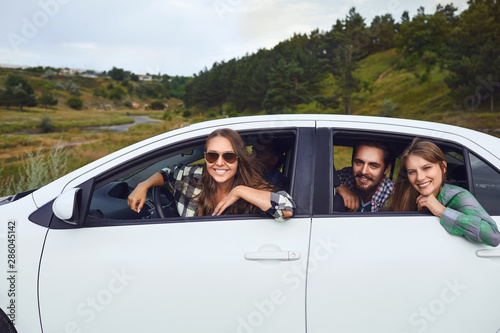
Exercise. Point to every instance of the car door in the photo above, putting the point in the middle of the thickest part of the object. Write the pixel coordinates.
(203, 274)
(395, 271)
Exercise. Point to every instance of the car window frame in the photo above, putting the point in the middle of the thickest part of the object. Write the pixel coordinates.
(152, 157)
(362, 134)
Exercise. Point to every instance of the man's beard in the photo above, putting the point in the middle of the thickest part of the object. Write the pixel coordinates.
(365, 190)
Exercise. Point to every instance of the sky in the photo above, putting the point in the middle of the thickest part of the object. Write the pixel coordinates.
(171, 37)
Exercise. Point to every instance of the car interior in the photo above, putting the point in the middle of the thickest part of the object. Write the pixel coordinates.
(344, 141)
(109, 198)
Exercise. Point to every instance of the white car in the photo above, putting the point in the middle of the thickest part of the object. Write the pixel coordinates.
(75, 258)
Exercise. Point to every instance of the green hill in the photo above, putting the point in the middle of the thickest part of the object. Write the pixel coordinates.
(412, 94)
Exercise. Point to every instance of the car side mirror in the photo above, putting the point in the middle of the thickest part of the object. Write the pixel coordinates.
(66, 206)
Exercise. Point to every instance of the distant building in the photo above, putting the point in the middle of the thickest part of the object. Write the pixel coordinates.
(145, 77)
(68, 71)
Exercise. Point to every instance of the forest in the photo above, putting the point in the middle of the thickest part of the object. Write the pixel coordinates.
(466, 46)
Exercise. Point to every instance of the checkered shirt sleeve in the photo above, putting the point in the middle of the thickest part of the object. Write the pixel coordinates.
(186, 182)
(464, 216)
(280, 201)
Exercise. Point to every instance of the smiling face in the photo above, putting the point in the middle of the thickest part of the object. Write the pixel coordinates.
(368, 170)
(424, 176)
(220, 170)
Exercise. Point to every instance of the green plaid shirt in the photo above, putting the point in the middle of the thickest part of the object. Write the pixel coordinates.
(464, 216)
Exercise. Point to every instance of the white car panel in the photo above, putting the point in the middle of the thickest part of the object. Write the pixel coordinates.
(176, 277)
(19, 284)
(400, 274)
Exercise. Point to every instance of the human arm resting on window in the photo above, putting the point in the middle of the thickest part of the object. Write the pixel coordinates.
(279, 204)
(465, 216)
(351, 201)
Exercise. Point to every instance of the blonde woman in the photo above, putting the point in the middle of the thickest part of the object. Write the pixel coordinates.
(421, 185)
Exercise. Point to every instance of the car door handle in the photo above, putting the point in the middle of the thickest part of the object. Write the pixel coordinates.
(486, 253)
(275, 255)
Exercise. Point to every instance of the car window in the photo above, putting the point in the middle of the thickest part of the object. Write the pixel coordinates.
(486, 183)
(109, 198)
(345, 141)
(456, 173)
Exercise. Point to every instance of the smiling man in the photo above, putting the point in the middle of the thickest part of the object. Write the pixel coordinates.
(364, 186)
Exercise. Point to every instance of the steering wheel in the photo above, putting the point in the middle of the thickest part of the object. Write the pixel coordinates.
(157, 192)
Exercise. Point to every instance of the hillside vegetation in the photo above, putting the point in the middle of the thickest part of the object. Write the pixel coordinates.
(440, 66)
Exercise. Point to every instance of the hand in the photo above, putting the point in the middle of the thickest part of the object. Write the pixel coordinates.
(431, 203)
(351, 200)
(137, 198)
(227, 201)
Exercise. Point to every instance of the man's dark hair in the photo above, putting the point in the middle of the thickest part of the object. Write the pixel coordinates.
(375, 144)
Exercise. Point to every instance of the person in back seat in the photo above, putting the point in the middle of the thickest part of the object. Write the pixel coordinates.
(364, 186)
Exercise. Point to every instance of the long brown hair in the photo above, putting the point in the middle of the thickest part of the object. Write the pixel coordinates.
(404, 197)
(247, 174)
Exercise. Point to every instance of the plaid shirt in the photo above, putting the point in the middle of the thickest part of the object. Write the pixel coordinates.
(382, 193)
(464, 216)
(186, 182)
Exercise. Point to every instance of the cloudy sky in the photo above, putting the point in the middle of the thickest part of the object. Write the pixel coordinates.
(175, 37)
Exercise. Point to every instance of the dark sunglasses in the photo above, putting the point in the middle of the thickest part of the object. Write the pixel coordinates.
(212, 157)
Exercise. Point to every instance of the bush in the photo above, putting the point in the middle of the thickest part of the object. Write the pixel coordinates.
(49, 74)
(117, 93)
(59, 85)
(38, 170)
(100, 92)
(46, 124)
(75, 103)
(388, 108)
(186, 114)
(157, 105)
(73, 88)
(128, 104)
(167, 116)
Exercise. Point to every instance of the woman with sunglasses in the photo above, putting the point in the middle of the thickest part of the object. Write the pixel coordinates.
(228, 183)
(421, 186)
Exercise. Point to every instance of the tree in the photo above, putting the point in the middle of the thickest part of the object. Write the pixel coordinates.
(6, 98)
(284, 87)
(18, 92)
(382, 31)
(423, 39)
(73, 88)
(75, 103)
(49, 74)
(473, 55)
(117, 93)
(116, 74)
(47, 99)
(344, 47)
